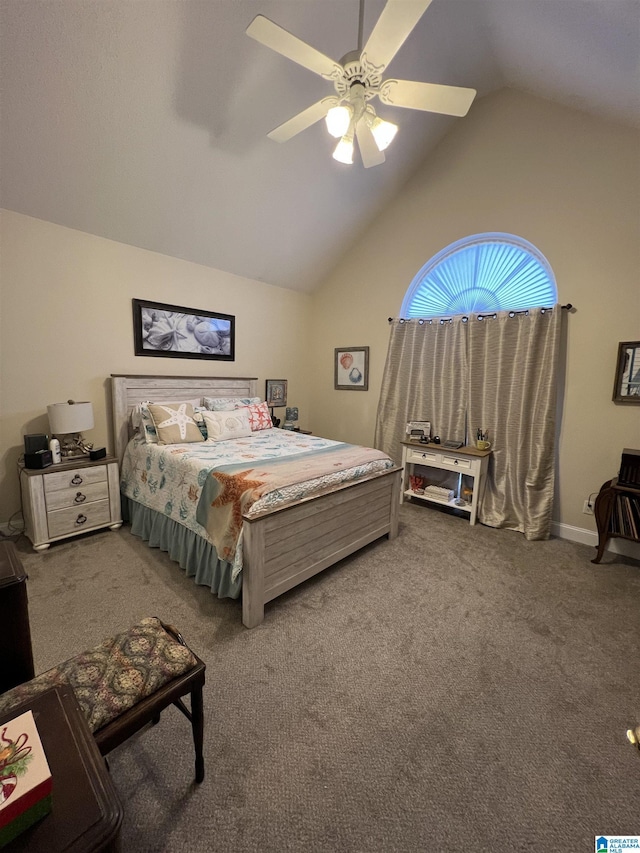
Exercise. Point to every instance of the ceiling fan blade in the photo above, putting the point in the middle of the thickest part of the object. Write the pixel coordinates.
(367, 145)
(431, 97)
(393, 26)
(274, 36)
(303, 120)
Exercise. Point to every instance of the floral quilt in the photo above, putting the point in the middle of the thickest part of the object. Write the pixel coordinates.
(170, 479)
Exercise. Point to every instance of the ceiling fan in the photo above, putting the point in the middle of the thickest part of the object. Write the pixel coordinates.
(357, 79)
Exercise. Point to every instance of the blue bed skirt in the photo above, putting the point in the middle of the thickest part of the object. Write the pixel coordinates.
(195, 555)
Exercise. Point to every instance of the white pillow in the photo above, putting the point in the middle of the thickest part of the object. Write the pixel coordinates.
(224, 425)
(141, 419)
(227, 404)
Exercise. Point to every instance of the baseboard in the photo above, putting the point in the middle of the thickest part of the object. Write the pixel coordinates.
(624, 547)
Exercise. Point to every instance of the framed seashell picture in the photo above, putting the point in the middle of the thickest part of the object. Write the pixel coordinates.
(174, 332)
(351, 369)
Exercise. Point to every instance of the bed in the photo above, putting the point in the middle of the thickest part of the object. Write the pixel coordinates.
(281, 545)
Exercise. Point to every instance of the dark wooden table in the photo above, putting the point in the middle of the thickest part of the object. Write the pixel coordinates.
(15, 643)
(86, 813)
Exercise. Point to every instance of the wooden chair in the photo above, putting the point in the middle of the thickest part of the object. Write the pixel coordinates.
(126, 682)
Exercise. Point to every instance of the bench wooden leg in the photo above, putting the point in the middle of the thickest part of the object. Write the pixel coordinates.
(197, 724)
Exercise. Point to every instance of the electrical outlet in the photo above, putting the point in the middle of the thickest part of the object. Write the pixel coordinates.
(587, 509)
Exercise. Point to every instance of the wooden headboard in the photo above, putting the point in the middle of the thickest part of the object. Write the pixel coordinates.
(128, 391)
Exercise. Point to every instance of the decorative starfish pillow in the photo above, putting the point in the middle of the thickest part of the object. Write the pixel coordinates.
(142, 422)
(259, 416)
(174, 423)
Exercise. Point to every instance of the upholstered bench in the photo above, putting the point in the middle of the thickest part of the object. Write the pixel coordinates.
(126, 682)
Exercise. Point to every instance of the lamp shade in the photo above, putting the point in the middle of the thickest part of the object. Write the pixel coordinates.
(383, 132)
(338, 120)
(344, 150)
(70, 417)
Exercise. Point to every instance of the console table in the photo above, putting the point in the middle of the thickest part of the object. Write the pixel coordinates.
(464, 461)
(617, 512)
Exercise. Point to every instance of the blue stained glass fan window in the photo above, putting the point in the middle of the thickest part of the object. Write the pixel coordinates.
(481, 274)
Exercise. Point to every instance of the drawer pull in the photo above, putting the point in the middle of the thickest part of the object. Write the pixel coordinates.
(77, 479)
(81, 519)
(79, 498)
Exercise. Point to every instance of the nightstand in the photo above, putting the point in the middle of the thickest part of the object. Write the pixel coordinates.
(69, 498)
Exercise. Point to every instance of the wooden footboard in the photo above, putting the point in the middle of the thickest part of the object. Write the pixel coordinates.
(284, 547)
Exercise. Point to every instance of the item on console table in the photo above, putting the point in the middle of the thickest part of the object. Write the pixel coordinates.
(25, 778)
(439, 493)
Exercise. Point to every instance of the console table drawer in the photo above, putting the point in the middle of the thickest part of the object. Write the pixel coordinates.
(424, 457)
(455, 464)
(77, 496)
(74, 519)
(74, 479)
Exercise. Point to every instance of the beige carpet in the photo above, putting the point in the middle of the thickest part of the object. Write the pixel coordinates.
(457, 689)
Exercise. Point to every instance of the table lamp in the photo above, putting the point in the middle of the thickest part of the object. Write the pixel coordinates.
(67, 422)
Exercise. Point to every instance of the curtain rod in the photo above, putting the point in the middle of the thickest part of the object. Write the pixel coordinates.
(481, 316)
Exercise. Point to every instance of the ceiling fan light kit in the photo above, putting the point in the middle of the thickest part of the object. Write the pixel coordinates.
(343, 152)
(357, 78)
(383, 131)
(338, 120)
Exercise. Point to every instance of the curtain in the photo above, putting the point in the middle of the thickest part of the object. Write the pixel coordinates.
(425, 379)
(498, 374)
(512, 393)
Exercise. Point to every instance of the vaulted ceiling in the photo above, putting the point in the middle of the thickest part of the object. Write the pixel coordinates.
(145, 121)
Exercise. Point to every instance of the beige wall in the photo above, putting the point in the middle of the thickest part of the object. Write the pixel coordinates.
(66, 325)
(568, 183)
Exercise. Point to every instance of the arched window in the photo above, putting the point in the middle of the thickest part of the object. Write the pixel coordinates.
(480, 274)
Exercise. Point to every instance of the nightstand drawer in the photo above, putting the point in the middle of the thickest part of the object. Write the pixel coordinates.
(74, 479)
(76, 495)
(75, 519)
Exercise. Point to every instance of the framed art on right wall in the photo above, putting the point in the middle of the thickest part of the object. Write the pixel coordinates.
(627, 384)
(351, 369)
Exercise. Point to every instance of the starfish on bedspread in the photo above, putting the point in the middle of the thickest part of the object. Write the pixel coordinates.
(234, 487)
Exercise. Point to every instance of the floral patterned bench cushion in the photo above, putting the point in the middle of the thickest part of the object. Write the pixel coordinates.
(114, 676)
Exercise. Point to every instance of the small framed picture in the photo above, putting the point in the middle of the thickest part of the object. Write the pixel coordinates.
(627, 383)
(276, 393)
(351, 369)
